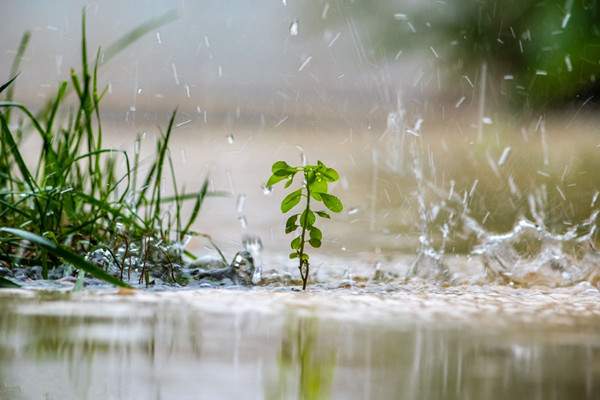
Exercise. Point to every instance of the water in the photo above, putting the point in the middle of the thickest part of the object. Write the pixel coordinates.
(418, 341)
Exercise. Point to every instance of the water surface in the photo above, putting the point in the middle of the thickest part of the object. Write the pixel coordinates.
(415, 341)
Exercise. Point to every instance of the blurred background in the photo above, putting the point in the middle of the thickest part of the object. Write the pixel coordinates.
(493, 101)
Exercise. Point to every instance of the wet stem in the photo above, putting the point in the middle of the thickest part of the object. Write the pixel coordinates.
(302, 261)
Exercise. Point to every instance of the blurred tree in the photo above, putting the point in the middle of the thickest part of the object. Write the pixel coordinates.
(544, 52)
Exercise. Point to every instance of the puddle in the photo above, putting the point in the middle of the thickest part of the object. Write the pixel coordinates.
(416, 341)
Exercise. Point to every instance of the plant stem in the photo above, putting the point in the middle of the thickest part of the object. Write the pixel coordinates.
(304, 276)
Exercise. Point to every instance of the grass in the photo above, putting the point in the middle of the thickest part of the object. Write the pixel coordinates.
(81, 196)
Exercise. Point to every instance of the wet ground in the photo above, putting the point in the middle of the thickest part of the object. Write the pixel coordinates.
(528, 330)
(411, 341)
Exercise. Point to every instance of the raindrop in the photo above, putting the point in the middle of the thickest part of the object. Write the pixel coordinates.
(568, 63)
(594, 198)
(230, 138)
(460, 101)
(243, 221)
(325, 11)
(267, 190)
(304, 63)
(241, 200)
(565, 20)
(183, 123)
(335, 38)
(487, 120)
(294, 27)
(175, 76)
(353, 211)
(504, 156)
(158, 38)
(302, 155)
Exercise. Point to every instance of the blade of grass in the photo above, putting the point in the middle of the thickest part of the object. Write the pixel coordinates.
(67, 255)
(7, 84)
(196, 209)
(7, 283)
(127, 40)
(15, 67)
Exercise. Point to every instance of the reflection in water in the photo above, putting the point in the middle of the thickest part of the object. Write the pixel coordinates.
(303, 363)
(272, 345)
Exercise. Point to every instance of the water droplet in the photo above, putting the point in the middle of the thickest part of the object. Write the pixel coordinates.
(304, 63)
(353, 211)
(487, 120)
(267, 190)
(243, 221)
(294, 28)
(230, 138)
(504, 156)
(241, 200)
(175, 76)
(568, 63)
(158, 38)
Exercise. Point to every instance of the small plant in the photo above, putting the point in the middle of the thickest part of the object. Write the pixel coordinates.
(314, 186)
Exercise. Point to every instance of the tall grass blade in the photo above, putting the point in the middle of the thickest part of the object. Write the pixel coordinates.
(7, 283)
(7, 84)
(67, 255)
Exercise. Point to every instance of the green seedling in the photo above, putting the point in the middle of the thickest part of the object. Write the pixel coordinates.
(314, 186)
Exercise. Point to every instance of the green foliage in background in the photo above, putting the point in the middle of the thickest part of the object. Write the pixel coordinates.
(549, 50)
(314, 186)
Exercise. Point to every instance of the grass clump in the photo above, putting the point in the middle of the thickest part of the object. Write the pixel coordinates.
(81, 202)
(314, 186)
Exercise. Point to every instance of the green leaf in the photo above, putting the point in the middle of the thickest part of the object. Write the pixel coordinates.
(332, 202)
(295, 244)
(292, 220)
(279, 165)
(305, 257)
(291, 200)
(316, 243)
(290, 180)
(290, 224)
(323, 214)
(293, 255)
(315, 233)
(273, 180)
(67, 255)
(285, 172)
(7, 84)
(310, 175)
(7, 283)
(317, 187)
(307, 218)
(331, 174)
